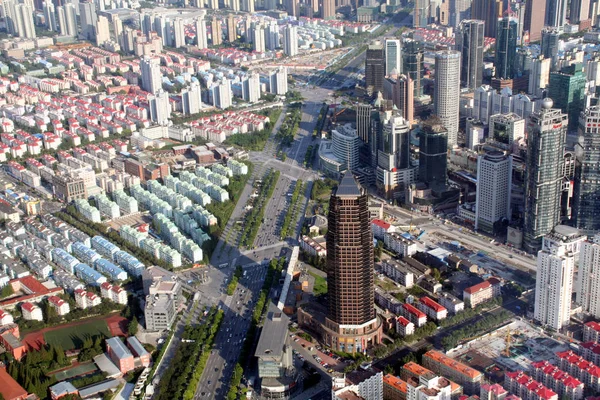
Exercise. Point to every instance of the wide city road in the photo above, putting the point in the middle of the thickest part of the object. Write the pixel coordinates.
(238, 310)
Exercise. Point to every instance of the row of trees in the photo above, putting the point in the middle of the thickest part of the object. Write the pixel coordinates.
(486, 323)
(290, 125)
(287, 229)
(234, 281)
(176, 382)
(254, 217)
(321, 121)
(275, 268)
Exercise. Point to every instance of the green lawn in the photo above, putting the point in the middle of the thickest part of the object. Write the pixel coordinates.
(72, 337)
(320, 287)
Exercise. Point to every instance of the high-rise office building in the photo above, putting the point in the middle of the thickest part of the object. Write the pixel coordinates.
(67, 20)
(247, 5)
(178, 33)
(469, 42)
(231, 28)
(586, 197)
(278, 81)
(507, 128)
(160, 107)
(579, 10)
(588, 284)
(567, 89)
(151, 75)
(216, 31)
(400, 90)
(363, 121)
(290, 40)
(394, 168)
(489, 11)
(351, 324)
(19, 19)
(412, 65)
(393, 57)
(102, 30)
(539, 75)
(221, 94)
(433, 149)
(494, 180)
(258, 38)
(550, 38)
(88, 20)
(535, 17)
(445, 88)
(292, 7)
(556, 13)
(213, 4)
(554, 286)
(327, 9)
(251, 87)
(458, 10)
(506, 47)
(544, 172)
(272, 36)
(375, 67)
(201, 35)
(421, 13)
(191, 99)
(50, 16)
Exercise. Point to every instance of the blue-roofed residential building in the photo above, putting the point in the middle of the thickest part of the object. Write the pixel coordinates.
(109, 269)
(84, 253)
(89, 275)
(104, 247)
(64, 260)
(132, 265)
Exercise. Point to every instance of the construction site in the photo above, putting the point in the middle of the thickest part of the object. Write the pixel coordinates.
(514, 347)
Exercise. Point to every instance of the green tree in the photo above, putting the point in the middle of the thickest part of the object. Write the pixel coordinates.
(133, 327)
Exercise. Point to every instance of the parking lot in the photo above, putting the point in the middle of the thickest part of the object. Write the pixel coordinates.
(328, 361)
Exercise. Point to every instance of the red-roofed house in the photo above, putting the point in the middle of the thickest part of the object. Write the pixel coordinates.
(481, 292)
(591, 331)
(404, 327)
(31, 312)
(591, 352)
(529, 389)
(580, 368)
(380, 228)
(9, 388)
(414, 315)
(5, 318)
(61, 306)
(559, 381)
(492, 392)
(432, 309)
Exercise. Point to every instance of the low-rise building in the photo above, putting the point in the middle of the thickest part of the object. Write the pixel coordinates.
(380, 228)
(591, 351)
(453, 304)
(591, 331)
(580, 368)
(469, 378)
(414, 315)
(5, 318)
(528, 389)
(139, 351)
(398, 272)
(482, 292)
(492, 391)
(432, 309)
(563, 384)
(31, 312)
(59, 305)
(120, 355)
(399, 244)
(394, 388)
(62, 389)
(114, 293)
(404, 327)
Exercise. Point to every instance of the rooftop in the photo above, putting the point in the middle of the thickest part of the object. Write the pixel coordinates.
(273, 335)
(451, 363)
(9, 388)
(118, 348)
(348, 186)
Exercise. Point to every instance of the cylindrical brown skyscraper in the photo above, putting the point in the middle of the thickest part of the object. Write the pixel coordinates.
(349, 255)
(351, 324)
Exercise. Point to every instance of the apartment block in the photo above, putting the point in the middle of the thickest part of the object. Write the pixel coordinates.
(563, 384)
(528, 389)
(580, 368)
(482, 292)
(441, 364)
